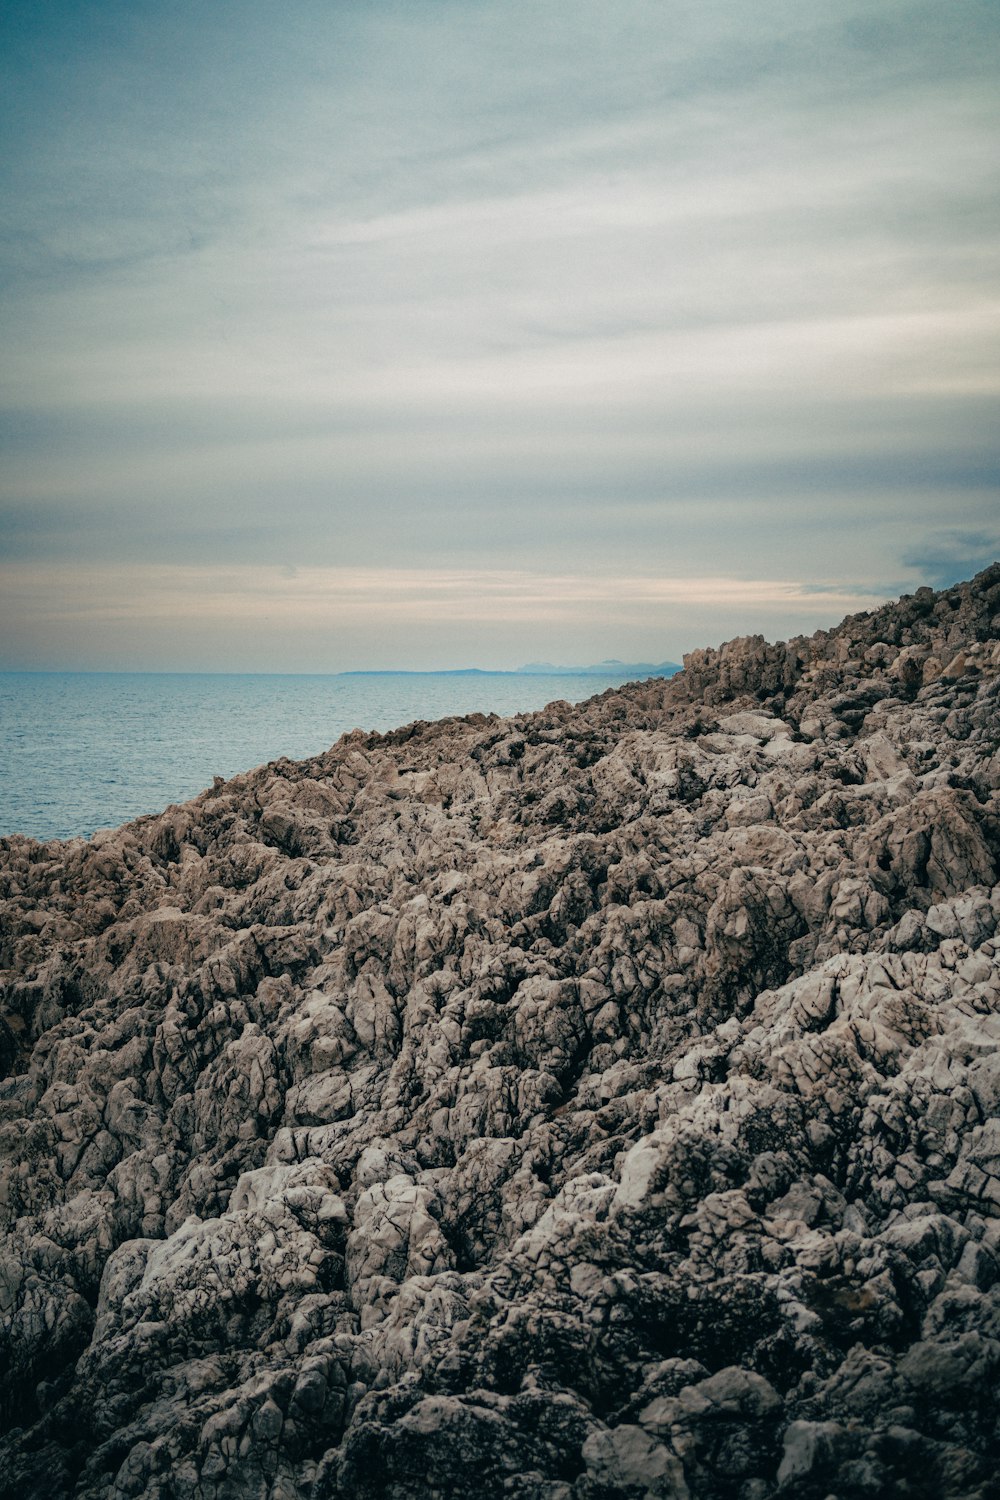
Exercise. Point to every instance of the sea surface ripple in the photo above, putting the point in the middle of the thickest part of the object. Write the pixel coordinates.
(86, 750)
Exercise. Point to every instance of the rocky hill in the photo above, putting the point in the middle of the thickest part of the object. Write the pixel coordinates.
(602, 1102)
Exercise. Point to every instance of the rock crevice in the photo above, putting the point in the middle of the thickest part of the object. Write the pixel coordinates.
(602, 1102)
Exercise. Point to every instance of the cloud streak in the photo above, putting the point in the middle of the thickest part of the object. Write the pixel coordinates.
(673, 287)
(331, 609)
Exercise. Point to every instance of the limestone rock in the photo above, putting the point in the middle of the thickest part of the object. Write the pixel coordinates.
(601, 1102)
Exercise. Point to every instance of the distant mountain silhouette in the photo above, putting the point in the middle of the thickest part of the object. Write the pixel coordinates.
(610, 668)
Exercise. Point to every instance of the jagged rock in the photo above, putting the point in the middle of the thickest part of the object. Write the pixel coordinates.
(600, 1102)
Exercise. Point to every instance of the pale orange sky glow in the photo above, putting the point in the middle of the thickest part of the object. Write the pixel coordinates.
(506, 331)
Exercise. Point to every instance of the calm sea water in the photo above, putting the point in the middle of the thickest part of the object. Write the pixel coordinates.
(86, 750)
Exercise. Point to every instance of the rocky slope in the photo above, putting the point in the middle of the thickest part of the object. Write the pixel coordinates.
(602, 1102)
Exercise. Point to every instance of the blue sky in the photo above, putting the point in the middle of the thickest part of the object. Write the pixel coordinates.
(427, 334)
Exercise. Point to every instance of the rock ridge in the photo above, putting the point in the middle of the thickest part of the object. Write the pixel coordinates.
(599, 1102)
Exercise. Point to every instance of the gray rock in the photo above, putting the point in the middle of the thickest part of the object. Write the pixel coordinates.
(599, 1102)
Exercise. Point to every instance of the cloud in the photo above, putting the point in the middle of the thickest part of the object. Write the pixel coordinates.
(948, 557)
(381, 610)
(558, 289)
(127, 594)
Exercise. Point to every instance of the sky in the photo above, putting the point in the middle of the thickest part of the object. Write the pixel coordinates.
(350, 334)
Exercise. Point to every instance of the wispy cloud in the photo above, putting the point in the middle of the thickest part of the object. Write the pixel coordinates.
(947, 557)
(551, 290)
(119, 593)
(328, 607)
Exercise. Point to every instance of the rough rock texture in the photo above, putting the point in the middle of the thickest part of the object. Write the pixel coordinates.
(602, 1102)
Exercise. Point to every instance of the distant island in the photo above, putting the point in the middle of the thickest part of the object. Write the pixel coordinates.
(609, 668)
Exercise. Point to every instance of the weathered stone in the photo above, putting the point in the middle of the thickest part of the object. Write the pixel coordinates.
(600, 1102)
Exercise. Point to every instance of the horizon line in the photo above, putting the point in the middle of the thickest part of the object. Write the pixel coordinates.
(588, 671)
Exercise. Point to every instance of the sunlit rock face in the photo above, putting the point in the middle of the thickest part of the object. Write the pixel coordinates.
(603, 1102)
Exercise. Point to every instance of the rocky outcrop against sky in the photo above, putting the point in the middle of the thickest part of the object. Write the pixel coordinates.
(601, 1102)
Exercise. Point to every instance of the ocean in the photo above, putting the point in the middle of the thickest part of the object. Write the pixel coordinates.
(86, 750)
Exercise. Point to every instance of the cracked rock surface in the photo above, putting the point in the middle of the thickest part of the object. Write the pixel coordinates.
(600, 1102)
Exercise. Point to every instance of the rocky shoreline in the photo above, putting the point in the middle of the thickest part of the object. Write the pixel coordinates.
(600, 1102)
